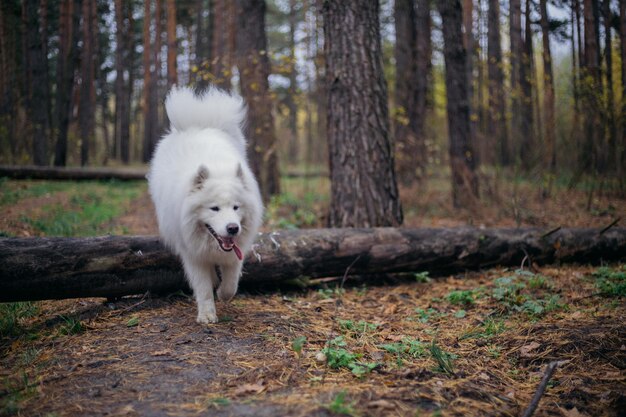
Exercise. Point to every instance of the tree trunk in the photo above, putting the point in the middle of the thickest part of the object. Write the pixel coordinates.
(622, 34)
(222, 42)
(527, 144)
(549, 153)
(147, 83)
(205, 13)
(155, 79)
(254, 70)
(32, 172)
(290, 100)
(114, 266)
(172, 45)
(516, 54)
(461, 150)
(424, 67)
(413, 77)
(590, 95)
(11, 73)
(469, 43)
(497, 129)
(611, 147)
(69, 21)
(363, 184)
(409, 112)
(37, 79)
(123, 85)
(87, 91)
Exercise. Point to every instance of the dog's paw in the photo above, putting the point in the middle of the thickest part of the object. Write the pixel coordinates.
(207, 318)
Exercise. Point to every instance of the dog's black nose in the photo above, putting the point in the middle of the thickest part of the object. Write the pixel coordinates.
(232, 229)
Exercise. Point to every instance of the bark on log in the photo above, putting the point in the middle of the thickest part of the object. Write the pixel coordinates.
(54, 268)
(31, 172)
(74, 174)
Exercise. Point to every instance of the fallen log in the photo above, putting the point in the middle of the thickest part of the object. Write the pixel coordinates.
(70, 173)
(112, 266)
(33, 172)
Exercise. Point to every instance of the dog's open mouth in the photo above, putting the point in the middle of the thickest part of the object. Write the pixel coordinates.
(226, 243)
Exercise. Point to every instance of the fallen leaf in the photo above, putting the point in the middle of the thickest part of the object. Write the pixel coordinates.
(525, 350)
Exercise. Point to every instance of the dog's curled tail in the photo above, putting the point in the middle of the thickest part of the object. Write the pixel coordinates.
(213, 108)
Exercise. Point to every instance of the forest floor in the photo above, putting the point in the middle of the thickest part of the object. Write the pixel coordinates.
(474, 343)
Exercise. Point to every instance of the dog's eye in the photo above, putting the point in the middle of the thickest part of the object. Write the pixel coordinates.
(235, 208)
(215, 208)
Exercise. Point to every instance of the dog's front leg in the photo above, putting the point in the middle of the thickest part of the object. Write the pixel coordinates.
(201, 279)
(230, 281)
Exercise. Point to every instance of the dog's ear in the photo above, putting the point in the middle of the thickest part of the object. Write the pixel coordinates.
(201, 176)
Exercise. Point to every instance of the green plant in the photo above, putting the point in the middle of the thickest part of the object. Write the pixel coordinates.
(423, 316)
(360, 327)
(218, 402)
(514, 293)
(407, 348)
(610, 282)
(297, 344)
(460, 314)
(337, 357)
(422, 277)
(465, 297)
(340, 405)
(326, 293)
(132, 322)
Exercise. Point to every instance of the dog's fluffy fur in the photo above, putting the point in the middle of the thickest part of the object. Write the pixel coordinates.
(207, 200)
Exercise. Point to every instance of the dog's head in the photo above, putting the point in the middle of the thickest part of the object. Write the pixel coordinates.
(217, 208)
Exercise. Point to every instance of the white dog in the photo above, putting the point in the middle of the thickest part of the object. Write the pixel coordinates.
(207, 200)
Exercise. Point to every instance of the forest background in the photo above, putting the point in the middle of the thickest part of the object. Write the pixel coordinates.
(545, 83)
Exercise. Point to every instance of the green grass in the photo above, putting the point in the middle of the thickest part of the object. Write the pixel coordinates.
(13, 191)
(14, 392)
(11, 315)
(299, 204)
(444, 359)
(71, 325)
(489, 329)
(86, 211)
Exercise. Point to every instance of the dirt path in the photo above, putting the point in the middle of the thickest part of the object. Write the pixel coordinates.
(143, 356)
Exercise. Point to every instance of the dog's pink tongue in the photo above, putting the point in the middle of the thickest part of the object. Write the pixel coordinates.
(237, 251)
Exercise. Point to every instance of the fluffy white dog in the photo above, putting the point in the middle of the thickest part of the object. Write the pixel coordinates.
(207, 200)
